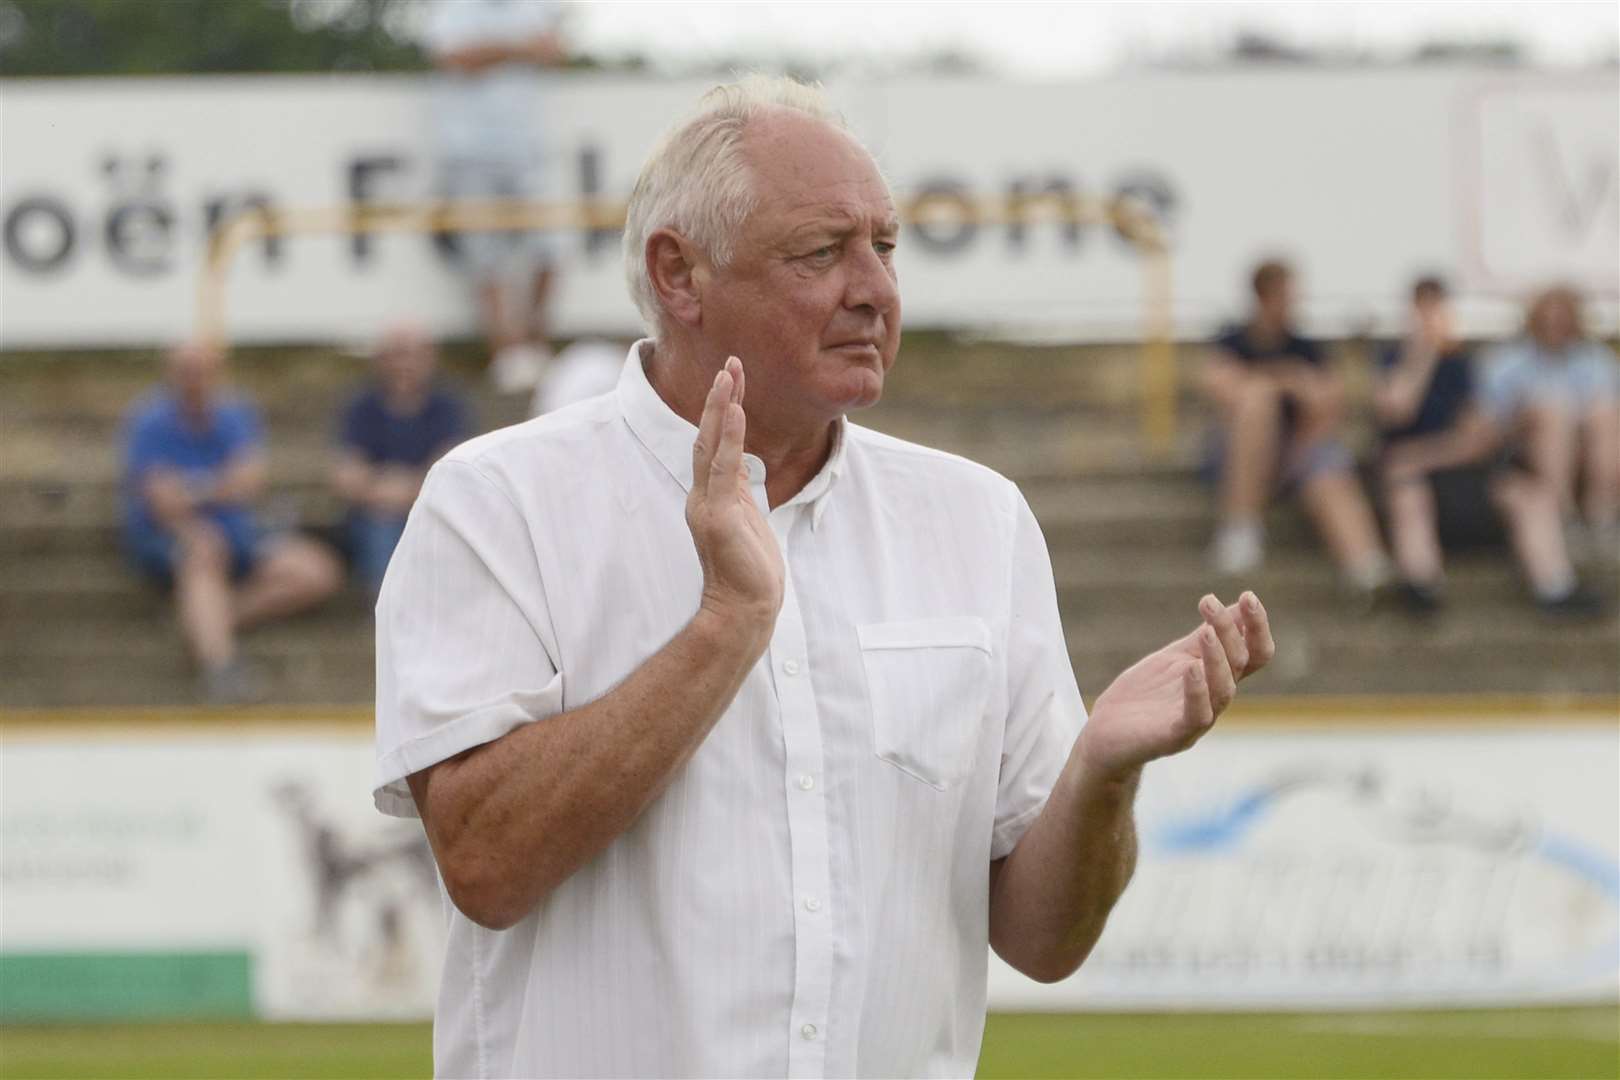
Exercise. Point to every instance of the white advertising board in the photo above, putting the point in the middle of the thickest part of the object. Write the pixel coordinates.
(1375, 868)
(1282, 869)
(189, 847)
(108, 188)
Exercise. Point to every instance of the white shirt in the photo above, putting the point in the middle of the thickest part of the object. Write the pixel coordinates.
(491, 115)
(809, 897)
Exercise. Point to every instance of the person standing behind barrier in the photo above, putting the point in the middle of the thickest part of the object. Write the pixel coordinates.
(391, 432)
(194, 465)
(1280, 407)
(1436, 467)
(487, 102)
(1557, 392)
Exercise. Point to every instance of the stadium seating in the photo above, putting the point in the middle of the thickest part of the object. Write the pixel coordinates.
(1127, 536)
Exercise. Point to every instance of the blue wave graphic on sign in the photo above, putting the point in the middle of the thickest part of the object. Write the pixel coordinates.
(1225, 828)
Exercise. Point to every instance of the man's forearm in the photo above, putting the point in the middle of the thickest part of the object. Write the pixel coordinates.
(1466, 443)
(1400, 393)
(1050, 898)
(240, 481)
(511, 820)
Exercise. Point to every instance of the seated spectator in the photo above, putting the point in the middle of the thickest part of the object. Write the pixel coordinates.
(1558, 392)
(195, 463)
(391, 432)
(1439, 457)
(1279, 407)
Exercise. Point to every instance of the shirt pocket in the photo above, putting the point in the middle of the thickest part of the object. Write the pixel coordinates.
(927, 681)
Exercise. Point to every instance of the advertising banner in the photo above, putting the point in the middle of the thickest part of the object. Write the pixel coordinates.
(1379, 868)
(245, 873)
(109, 188)
(210, 873)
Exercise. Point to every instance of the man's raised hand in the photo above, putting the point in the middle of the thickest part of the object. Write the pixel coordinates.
(742, 564)
(1165, 702)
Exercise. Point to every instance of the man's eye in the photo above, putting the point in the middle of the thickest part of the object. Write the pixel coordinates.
(884, 248)
(823, 253)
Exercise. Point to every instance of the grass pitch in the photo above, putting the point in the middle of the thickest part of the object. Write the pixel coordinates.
(1528, 1043)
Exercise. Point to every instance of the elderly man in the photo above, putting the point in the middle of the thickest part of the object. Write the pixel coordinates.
(739, 731)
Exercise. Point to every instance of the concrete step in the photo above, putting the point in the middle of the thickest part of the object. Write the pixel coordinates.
(932, 368)
(1026, 444)
(1310, 669)
(1112, 507)
(98, 584)
(341, 670)
(104, 638)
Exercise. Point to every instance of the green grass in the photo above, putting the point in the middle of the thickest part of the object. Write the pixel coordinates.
(1538, 1043)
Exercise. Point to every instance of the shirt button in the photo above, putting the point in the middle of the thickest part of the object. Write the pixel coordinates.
(808, 1031)
(806, 782)
(812, 904)
(791, 667)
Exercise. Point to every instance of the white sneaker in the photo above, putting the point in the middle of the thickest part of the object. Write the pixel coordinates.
(1239, 548)
(517, 368)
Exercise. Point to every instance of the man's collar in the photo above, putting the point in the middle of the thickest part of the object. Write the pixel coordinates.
(669, 436)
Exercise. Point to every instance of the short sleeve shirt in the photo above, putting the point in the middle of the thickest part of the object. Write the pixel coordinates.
(157, 434)
(1450, 390)
(383, 437)
(1239, 340)
(809, 896)
(1518, 374)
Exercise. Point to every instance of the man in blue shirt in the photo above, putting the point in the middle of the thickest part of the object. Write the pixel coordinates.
(194, 464)
(1280, 407)
(391, 432)
(1441, 459)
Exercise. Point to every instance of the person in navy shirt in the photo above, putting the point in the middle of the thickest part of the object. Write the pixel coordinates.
(1280, 406)
(1442, 463)
(194, 465)
(390, 433)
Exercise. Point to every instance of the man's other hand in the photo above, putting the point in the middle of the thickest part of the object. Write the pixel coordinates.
(742, 564)
(1167, 700)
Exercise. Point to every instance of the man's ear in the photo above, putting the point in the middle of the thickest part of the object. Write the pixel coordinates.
(676, 270)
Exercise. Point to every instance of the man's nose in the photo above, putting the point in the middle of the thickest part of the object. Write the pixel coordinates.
(871, 282)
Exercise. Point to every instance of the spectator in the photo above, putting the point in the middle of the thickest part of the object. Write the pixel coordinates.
(1558, 393)
(391, 432)
(195, 463)
(486, 104)
(1438, 449)
(1279, 407)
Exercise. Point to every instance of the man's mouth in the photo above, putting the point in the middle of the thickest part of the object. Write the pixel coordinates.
(872, 348)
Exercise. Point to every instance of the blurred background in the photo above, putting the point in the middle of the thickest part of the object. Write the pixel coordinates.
(1315, 298)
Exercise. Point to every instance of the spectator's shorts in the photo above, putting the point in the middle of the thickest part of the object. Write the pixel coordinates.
(1295, 464)
(498, 254)
(155, 551)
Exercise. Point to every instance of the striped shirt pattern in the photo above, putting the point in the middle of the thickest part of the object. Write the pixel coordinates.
(809, 896)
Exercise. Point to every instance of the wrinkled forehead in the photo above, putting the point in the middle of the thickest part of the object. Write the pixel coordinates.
(806, 170)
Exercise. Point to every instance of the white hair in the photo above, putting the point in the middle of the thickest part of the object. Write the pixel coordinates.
(697, 182)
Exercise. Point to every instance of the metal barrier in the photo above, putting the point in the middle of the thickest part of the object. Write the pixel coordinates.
(1133, 219)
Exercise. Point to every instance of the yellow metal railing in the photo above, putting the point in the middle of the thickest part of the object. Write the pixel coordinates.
(1133, 219)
